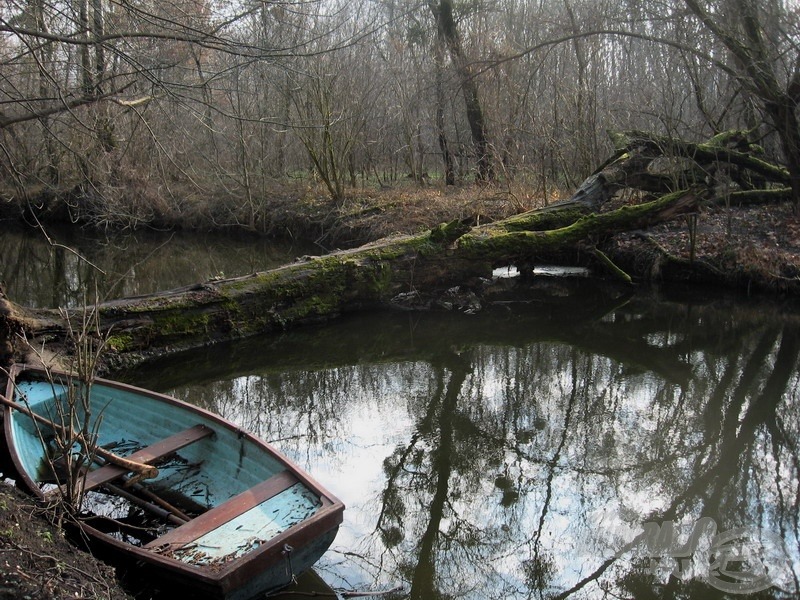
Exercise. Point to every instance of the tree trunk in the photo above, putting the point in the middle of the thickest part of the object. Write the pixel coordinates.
(319, 288)
(756, 63)
(446, 27)
(788, 128)
(441, 133)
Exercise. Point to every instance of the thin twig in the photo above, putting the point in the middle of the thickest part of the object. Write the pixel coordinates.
(63, 247)
(40, 557)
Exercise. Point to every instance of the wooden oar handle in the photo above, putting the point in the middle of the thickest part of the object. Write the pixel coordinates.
(142, 470)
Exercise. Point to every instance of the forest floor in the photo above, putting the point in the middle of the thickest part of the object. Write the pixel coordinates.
(752, 248)
(757, 246)
(38, 562)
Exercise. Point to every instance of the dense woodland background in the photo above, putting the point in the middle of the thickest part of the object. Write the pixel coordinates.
(141, 111)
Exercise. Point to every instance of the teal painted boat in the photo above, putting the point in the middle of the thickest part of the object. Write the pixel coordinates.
(218, 510)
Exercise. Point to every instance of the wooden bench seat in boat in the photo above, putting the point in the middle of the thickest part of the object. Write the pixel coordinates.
(224, 513)
(109, 472)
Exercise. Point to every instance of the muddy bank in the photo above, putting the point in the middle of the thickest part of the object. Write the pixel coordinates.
(37, 561)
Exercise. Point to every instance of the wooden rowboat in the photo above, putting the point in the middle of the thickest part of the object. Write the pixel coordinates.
(222, 512)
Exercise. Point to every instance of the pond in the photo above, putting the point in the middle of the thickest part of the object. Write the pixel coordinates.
(572, 442)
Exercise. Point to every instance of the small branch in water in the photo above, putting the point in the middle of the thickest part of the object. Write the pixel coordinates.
(397, 588)
(610, 266)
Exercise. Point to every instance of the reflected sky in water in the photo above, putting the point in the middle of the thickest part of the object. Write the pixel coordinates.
(573, 442)
(519, 453)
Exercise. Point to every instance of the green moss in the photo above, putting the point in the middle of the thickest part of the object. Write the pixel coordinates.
(446, 233)
(229, 289)
(544, 220)
(230, 305)
(121, 343)
(310, 290)
(46, 535)
(381, 279)
(619, 139)
(181, 322)
(722, 138)
(528, 243)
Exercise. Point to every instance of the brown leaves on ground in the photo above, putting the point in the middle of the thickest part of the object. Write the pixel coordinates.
(369, 214)
(761, 243)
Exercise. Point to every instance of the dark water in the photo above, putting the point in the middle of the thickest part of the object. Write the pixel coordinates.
(64, 268)
(579, 444)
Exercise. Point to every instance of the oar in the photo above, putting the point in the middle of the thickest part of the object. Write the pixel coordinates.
(133, 484)
(143, 470)
(169, 515)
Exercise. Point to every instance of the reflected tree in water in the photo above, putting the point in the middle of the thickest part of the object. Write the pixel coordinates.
(520, 457)
(570, 440)
(50, 268)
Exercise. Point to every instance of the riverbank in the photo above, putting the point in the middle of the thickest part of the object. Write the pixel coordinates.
(752, 248)
(37, 561)
(749, 249)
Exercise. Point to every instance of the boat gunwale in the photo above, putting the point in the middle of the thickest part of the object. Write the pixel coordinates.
(327, 518)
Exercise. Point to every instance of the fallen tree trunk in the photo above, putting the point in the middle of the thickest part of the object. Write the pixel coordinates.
(319, 288)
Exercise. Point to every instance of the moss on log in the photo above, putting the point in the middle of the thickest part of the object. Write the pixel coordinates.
(320, 288)
(496, 241)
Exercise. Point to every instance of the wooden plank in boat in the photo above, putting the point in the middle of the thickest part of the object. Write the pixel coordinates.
(250, 530)
(149, 454)
(239, 504)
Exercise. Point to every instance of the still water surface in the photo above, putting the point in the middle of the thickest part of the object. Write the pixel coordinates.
(577, 444)
(65, 267)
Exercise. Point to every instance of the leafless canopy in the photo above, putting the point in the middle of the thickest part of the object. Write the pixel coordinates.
(145, 110)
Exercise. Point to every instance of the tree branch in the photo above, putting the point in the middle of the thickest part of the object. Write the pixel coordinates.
(6, 121)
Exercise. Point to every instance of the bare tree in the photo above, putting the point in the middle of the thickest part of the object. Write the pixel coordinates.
(767, 64)
(446, 26)
(143, 110)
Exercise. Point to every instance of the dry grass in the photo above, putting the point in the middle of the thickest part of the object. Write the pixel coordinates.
(371, 214)
(298, 207)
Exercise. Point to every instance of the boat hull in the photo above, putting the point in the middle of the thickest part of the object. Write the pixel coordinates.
(261, 519)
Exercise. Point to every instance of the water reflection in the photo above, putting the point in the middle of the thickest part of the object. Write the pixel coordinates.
(519, 453)
(67, 269)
